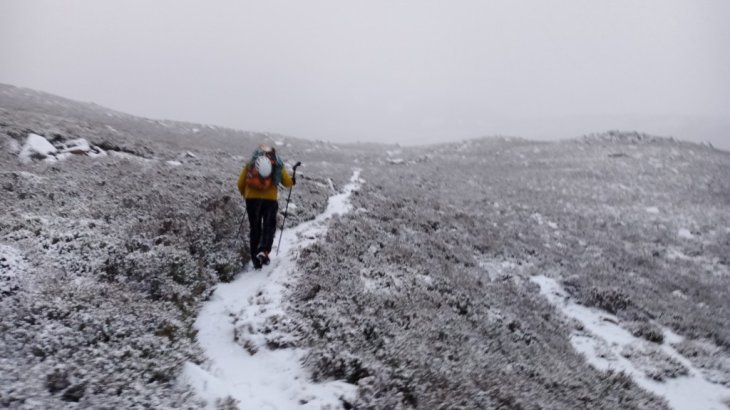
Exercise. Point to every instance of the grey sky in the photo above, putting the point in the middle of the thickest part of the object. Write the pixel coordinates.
(391, 71)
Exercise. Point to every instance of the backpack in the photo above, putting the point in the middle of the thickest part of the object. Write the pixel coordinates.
(254, 179)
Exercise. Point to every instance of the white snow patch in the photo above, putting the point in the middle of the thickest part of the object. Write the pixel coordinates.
(540, 219)
(537, 217)
(36, 145)
(685, 234)
(369, 284)
(604, 343)
(173, 163)
(268, 379)
(425, 279)
(278, 143)
(12, 146)
(674, 253)
(128, 156)
(497, 269)
(678, 293)
(652, 210)
(31, 177)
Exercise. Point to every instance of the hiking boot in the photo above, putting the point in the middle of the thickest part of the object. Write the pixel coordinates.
(263, 258)
(256, 263)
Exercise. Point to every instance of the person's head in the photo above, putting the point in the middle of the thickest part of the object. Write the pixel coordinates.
(269, 151)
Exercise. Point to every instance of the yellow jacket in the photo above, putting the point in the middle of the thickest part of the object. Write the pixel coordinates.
(271, 193)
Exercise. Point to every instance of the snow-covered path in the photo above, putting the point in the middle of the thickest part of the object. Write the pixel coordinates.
(606, 345)
(246, 312)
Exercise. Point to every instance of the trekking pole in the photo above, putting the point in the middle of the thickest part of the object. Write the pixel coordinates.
(240, 223)
(286, 210)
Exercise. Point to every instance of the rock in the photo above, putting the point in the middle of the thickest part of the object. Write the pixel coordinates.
(74, 393)
(57, 381)
(78, 146)
(36, 147)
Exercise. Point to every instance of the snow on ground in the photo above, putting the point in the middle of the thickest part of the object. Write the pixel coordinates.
(497, 269)
(12, 146)
(128, 156)
(652, 210)
(606, 345)
(678, 293)
(29, 176)
(245, 310)
(540, 219)
(11, 265)
(685, 234)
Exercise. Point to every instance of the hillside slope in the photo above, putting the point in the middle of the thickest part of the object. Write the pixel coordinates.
(425, 296)
(426, 301)
(105, 258)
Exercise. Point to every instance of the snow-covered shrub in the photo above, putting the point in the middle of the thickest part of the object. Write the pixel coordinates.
(646, 330)
(655, 363)
(712, 359)
(610, 300)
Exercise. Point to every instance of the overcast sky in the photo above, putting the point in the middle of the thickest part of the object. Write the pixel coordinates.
(390, 71)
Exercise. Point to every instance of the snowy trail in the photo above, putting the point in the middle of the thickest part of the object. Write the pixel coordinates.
(248, 309)
(604, 343)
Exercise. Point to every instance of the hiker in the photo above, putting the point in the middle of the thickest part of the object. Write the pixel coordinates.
(258, 184)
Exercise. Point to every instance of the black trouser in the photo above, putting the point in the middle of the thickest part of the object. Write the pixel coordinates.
(262, 223)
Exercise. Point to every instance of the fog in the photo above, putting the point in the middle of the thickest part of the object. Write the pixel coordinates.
(386, 71)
